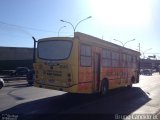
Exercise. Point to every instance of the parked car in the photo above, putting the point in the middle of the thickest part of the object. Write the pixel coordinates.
(141, 71)
(30, 77)
(1, 83)
(147, 72)
(20, 71)
(154, 70)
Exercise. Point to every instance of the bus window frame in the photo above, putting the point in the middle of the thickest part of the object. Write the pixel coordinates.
(71, 41)
(129, 60)
(83, 44)
(124, 60)
(106, 58)
(117, 60)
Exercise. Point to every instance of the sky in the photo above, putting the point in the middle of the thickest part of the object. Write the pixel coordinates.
(122, 20)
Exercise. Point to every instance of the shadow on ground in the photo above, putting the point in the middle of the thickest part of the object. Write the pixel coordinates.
(82, 106)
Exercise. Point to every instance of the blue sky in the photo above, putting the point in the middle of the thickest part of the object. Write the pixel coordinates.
(111, 19)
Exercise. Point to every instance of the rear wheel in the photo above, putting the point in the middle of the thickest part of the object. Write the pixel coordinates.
(104, 88)
(1, 85)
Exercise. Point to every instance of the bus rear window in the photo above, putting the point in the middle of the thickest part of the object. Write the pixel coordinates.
(54, 50)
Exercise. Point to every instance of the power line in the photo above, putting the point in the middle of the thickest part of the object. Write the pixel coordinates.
(35, 29)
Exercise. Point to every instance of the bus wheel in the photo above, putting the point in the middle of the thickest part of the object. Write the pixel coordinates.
(104, 88)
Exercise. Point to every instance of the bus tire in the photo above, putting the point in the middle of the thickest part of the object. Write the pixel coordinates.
(104, 88)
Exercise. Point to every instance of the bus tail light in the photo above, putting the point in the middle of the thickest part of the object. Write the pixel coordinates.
(36, 76)
(69, 80)
(69, 77)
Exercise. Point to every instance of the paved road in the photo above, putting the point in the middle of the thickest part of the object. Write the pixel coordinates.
(18, 100)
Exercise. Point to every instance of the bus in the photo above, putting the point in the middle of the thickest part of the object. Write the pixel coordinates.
(84, 64)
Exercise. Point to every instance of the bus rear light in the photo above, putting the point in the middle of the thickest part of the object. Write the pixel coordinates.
(69, 80)
(69, 75)
(36, 76)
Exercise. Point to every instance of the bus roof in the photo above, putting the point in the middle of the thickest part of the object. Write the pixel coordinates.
(55, 38)
(95, 40)
(91, 39)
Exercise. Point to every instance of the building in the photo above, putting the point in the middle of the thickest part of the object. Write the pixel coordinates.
(12, 57)
(149, 64)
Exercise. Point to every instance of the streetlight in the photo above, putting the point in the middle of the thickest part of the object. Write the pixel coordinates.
(60, 29)
(74, 27)
(123, 44)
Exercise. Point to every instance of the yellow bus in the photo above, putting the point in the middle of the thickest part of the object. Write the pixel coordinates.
(84, 64)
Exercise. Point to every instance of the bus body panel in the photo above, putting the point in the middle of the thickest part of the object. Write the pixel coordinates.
(58, 74)
(118, 76)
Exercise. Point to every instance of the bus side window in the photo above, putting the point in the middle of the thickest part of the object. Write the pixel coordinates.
(85, 55)
(115, 59)
(134, 61)
(129, 61)
(106, 58)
